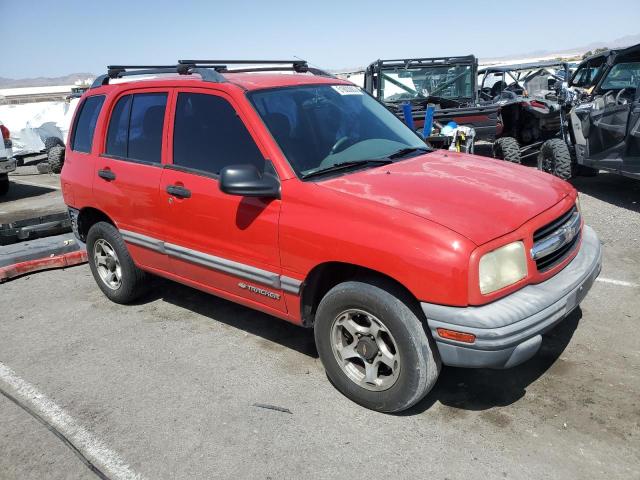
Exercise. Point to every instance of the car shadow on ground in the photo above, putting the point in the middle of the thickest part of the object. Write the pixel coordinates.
(468, 389)
(237, 316)
(615, 189)
(481, 389)
(19, 191)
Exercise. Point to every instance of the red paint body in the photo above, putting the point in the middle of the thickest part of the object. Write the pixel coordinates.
(424, 221)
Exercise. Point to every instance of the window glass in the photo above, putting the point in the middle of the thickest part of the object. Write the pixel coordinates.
(145, 127)
(86, 124)
(401, 83)
(622, 75)
(119, 128)
(322, 125)
(587, 74)
(208, 135)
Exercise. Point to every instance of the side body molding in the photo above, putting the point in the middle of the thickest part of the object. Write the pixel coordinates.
(241, 270)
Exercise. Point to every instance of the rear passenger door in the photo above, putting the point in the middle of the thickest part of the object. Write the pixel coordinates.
(225, 242)
(129, 169)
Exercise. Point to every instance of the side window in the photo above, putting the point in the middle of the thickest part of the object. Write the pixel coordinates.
(208, 135)
(135, 127)
(86, 124)
(119, 128)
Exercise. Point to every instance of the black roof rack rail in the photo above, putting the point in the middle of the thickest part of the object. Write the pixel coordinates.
(119, 71)
(296, 65)
(209, 70)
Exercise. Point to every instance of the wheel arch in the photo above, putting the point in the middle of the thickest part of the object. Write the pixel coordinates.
(325, 276)
(88, 217)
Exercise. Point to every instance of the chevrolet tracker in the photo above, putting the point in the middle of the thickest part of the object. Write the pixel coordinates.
(300, 195)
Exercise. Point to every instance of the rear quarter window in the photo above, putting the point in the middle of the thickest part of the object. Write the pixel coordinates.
(85, 125)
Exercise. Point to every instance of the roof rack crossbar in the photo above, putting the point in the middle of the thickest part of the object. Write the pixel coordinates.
(120, 71)
(297, 65)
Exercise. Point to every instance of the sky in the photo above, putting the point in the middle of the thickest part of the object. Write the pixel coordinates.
(53, 38)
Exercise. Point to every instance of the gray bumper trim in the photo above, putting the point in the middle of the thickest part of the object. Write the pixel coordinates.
(507, 330)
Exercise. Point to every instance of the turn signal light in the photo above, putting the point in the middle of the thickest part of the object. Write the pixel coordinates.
(457, 336)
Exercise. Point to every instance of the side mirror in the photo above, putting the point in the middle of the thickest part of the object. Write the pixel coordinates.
(247, 181)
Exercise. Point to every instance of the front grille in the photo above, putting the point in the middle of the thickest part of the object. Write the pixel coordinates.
(556, 240)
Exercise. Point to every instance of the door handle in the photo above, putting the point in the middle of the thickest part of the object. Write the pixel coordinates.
(178, 191)
(108, 175)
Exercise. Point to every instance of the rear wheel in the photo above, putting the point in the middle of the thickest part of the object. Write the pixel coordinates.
(507, 148)
(555, 158)
(374, 347)
(112, 266)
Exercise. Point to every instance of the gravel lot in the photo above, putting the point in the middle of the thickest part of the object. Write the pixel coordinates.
(168, 386)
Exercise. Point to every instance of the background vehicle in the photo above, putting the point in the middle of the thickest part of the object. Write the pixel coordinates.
(529, 112)
(303, 197)
(445, 83)
(7, 162)
(601, 123)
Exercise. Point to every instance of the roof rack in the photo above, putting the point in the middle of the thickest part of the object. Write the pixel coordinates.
(209, 70)
(120, 71)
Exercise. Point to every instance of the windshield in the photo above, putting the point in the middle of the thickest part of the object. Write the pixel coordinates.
(587, 74)
(319, 126)
(452, 82)
(622, 75)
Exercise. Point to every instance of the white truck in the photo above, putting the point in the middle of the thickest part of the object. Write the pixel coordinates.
(7, 162)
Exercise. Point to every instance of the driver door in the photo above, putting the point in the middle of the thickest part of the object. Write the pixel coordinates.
(608, 131)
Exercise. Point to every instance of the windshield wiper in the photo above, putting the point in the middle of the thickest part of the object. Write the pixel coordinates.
(406, 151)
(344, 165)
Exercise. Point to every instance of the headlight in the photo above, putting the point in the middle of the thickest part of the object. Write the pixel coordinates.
(502, 267)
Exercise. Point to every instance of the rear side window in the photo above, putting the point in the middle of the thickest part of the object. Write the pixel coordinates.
(135, 127)
(86, 124)
(208, 135)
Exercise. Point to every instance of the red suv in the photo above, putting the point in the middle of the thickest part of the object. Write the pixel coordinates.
(298, 194)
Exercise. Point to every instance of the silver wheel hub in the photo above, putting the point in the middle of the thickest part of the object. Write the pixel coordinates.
(107, 264)
(365, 350)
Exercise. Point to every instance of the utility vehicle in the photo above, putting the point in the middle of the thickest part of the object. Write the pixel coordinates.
(445, 83)
(529, 110)
(600, 122)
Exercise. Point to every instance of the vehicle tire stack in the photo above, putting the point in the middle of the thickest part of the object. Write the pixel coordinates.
(51, 142)
(555, 158)
(507, 148)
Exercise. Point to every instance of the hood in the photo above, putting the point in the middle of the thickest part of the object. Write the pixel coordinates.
(478, 197)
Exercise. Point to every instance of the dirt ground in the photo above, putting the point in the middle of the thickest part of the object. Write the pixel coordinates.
(168, 387)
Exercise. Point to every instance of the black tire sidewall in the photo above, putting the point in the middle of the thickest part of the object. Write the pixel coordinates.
(131, 284)
(4, 186)
(417, 355)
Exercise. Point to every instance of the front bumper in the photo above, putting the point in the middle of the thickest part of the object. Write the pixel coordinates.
(7, 165)
(509, 331)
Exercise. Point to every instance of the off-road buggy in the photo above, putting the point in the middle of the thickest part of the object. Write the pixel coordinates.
(601, 122)
(446, 84)
(529, 112)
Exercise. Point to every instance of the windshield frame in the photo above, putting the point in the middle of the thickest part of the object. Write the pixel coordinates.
(300, 175)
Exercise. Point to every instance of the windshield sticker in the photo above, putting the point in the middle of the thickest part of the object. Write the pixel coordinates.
(347, 89)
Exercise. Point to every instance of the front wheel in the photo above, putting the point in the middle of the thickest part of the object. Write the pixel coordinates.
(555, 158)
(374, 346)
(507, 148)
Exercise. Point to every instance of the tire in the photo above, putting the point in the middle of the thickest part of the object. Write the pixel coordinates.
(132, 281)
(55, 158)
(4, 186)
(555, 158)
(507, 148)
(418, 363)
(51, 142)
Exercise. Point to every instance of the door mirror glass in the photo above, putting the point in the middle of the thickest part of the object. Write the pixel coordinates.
(248, 181)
